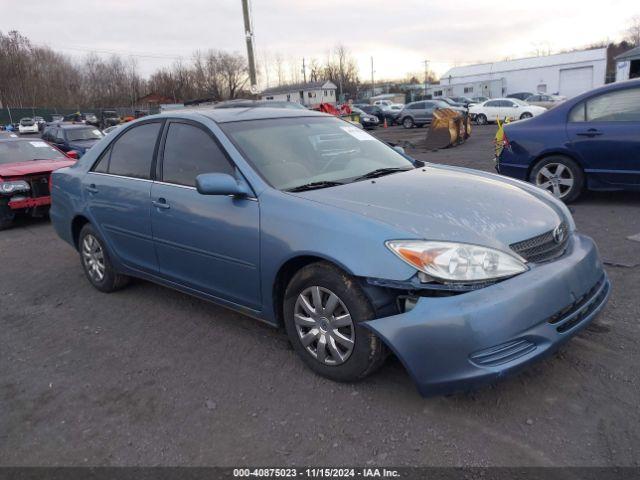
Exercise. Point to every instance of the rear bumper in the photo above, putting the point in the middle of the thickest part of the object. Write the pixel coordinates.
(461, 342)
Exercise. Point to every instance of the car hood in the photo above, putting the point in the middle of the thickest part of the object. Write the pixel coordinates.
(20, 169)
(447, 204)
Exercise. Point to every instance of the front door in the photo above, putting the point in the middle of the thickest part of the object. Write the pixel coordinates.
(492, 110)
(118, 189)
(605, 132)
(208, 243)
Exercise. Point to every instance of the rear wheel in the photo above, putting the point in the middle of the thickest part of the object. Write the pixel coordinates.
(407, 122)
(96, 263)
(559, 175)
(323, 310)
(481, 119)
(525, 115)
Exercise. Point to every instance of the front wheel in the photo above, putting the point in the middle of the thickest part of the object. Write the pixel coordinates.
(323, 311)
(525, 115)
(559, 175)
(407, 122)
(96, 263)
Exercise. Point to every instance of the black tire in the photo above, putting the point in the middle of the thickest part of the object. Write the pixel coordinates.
(368, 352)
(481, 119)
(576, 172)
(407, 122)
(111, 280)
(525, 115)
(6, 214)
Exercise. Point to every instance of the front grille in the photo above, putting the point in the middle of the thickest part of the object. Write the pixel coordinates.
(39, 186)
(503, 353)
(544, 247)
(572, 315)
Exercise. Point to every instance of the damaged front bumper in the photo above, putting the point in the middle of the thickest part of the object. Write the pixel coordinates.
(460, 342)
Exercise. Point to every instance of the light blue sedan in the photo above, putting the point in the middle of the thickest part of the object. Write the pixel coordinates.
(304, 221)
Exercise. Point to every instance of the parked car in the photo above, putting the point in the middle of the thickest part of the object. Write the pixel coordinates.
(41, 122)
(420, 113)
(382, 103)
(544, 100)
(367, 121)
(502, 108)
(27, 125)
(520, 95)
(25, 167)
(55, 118)
(464, 101)
(588, 142)
(374, 110)
(109, 118)
(352, 247)
(91, 119)
(69, 137)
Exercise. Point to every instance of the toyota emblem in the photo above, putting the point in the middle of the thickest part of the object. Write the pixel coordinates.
(558, 234)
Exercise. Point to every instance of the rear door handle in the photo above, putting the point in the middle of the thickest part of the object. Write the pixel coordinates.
(92, 188)
(161, 203)
(592, 132)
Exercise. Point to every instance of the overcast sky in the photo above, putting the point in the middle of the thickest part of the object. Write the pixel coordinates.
(399, 34)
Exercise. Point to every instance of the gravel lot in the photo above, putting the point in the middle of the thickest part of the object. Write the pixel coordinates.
(149, 376)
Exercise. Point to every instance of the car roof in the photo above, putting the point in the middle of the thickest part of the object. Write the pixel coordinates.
(71, 126)
(239, 114)
(19, 139)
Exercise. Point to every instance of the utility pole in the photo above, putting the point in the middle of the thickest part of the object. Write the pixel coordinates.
(426, 76)
(373, 85)
(304, 71)
(248, 33)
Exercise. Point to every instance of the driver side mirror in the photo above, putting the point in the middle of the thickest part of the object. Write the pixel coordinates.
(220, 184)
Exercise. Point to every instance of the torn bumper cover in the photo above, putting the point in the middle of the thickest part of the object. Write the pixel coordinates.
(460, 342)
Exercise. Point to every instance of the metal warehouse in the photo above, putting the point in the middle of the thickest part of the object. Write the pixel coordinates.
(567, 74)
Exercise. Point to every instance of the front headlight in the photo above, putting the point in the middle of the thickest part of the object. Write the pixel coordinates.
(457, 262)
(13, 187)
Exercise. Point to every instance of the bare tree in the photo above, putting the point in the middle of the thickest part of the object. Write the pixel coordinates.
(633, 31)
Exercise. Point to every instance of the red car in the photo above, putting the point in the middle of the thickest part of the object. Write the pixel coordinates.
(25, 172)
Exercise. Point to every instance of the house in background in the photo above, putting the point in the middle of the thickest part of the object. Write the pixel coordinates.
(567, 74)
(152, 102)
(628, 65)
(309, 94)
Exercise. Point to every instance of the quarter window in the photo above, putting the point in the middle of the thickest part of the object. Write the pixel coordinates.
(132, 153)
(190, 151)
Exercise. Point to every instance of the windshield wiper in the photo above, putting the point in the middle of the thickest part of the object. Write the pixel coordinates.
(313, 186)
(379, 172)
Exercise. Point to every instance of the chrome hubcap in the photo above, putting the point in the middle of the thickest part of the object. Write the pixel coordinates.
(324, 325)
(556, 178)
(93, 257)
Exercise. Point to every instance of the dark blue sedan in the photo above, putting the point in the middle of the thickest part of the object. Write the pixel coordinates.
(306, 222)
(591, 141)
(71, 137)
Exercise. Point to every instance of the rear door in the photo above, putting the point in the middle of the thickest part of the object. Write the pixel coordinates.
(604, 131)
(117, 191)
(210, 243)
(492, 110)
(509, 109)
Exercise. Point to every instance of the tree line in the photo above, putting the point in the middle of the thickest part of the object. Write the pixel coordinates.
(37, 76)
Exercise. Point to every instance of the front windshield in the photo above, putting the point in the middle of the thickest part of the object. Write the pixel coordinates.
(441, 104)
(76, 134)
(291, 152)
(25, 151)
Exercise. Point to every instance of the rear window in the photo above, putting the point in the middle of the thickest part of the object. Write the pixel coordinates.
(75, 134)
(24, 151)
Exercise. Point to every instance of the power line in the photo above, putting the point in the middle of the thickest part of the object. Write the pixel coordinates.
(113, 52)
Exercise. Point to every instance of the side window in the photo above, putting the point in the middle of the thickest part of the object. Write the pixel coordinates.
(619, 106)
(536, 98)
(190, 151)
(492, 103)
(507, 103)
(132, 153)
(102, 165)
(577, 113)
(58, 135)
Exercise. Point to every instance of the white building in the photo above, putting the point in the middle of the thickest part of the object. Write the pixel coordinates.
(567, 74)
(628, 65)
(309, 94)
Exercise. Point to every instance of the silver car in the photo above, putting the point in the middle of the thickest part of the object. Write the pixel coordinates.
(420, 113)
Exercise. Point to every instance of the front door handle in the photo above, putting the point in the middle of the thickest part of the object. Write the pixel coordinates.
(592, 132)
(161, 203)
(92, 188)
